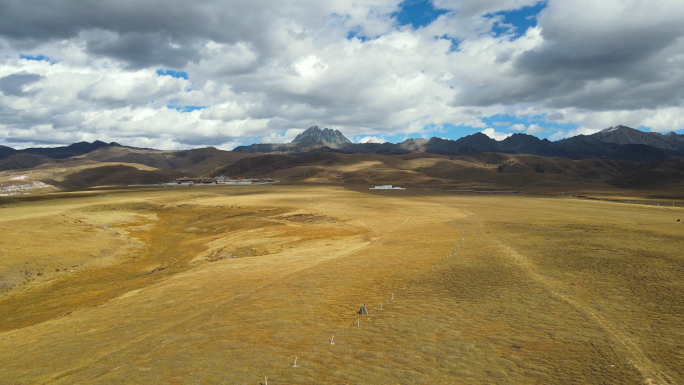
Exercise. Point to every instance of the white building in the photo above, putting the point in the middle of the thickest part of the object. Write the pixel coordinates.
(386, 187)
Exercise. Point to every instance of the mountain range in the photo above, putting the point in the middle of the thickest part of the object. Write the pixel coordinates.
(620, 142)
(198, 160)
(617, 157)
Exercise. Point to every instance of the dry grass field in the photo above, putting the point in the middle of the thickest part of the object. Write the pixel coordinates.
(230, 284)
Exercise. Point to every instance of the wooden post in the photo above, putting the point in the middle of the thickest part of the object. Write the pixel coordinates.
(358, 323)
(266, 380)
(380, 305)
(295, 363)
(332, 340)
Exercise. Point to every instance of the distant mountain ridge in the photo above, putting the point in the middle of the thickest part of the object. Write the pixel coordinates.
(62, 152)
(197, 160)
(619, 142)
(625, 135)
(618, 156)
(11, 159)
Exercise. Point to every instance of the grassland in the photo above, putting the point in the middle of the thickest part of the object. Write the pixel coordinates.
(229, 285)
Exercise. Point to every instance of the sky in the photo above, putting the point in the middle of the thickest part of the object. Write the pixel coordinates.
(176, 74)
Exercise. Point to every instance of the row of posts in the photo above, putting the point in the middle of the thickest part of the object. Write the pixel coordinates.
(358, 320)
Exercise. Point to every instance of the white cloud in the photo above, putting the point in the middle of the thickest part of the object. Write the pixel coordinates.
(270, 69)
(534, 129)
(582, 131)
(558, 135)
(490, 132)
(371, 139)
(574, 132)
(287, 137)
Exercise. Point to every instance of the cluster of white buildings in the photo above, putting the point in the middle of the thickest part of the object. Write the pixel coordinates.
(220, 180)
(23, 189)
(386, 187)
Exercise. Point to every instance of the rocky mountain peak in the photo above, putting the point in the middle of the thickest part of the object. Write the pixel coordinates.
(314, 133)
(622, 135)
(616, 128)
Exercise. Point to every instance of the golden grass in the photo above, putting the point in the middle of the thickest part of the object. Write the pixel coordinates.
(208, 285)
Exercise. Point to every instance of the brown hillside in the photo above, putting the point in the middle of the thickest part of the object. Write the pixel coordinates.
(486, 170)
(202, 160)
(668, 174)
(21, 161)
(196, 162)
(152, 158)
(117, 176)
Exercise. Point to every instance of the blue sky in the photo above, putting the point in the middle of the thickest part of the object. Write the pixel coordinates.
(516, 22)
(38, 58)
(418, 13)
(174, 105)
(172, 73)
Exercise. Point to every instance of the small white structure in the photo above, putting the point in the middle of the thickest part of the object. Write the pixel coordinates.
(386, 187)
(233, 181)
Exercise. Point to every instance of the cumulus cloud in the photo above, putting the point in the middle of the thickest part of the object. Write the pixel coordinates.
(287, 137)
(534, 129)
(15, 84)
(575, 132)
(607, 55)
(490, 132)
(264, 70)
(371, 139)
